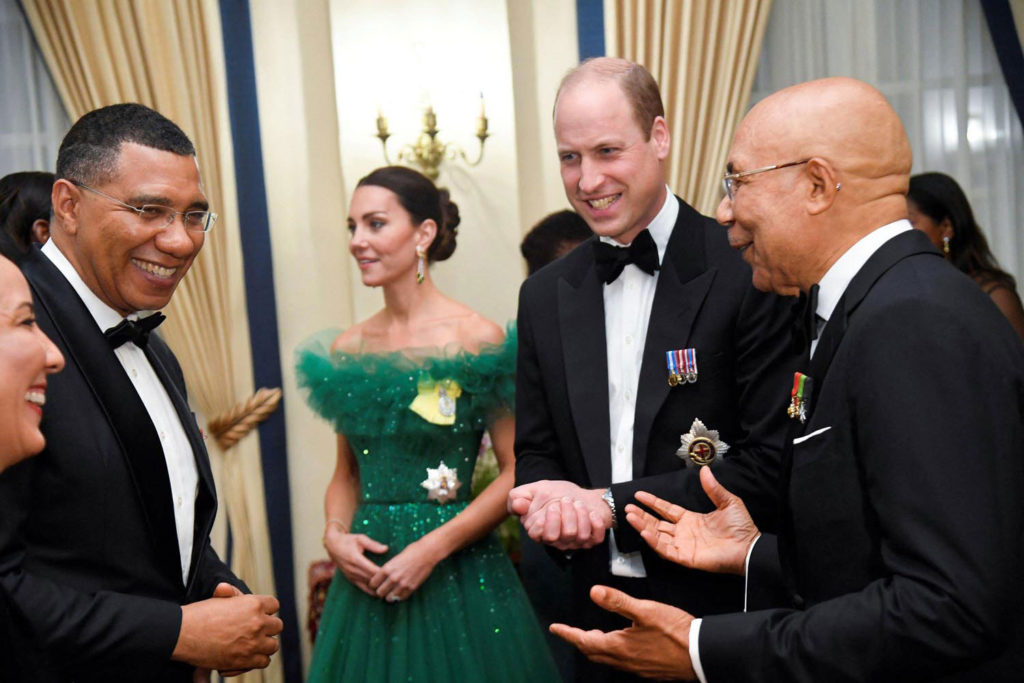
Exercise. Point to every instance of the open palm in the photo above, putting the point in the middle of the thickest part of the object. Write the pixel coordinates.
(716, 541)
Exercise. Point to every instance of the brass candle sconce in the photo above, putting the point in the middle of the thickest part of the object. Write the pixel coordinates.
(427, 152)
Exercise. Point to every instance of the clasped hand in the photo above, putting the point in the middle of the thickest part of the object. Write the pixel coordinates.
(230, 632)
(395, 580)
(561, 514)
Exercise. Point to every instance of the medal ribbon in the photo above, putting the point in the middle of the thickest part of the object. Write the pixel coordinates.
(691, 362)
(670, 360)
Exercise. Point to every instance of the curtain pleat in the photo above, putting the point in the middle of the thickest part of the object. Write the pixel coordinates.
(169, 56)
(703, 53)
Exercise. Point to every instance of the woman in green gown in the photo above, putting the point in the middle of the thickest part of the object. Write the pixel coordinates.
(423, 591)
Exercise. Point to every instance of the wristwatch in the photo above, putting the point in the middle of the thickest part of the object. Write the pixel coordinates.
(610, 499)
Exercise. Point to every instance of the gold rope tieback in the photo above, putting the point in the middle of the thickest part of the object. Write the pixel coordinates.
(228, 428)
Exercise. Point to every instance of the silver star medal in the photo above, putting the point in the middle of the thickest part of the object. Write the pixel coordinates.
(441, 483)
(700, 446)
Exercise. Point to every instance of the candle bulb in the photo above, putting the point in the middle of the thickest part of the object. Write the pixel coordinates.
(483, 114)
(382, 124)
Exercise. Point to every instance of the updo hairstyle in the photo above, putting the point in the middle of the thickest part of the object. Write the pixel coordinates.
(423, 200)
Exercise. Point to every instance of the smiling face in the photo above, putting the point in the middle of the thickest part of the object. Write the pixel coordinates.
(611, 171)
(129, 263)
(26, 357)
(383, 236)
(763, 217)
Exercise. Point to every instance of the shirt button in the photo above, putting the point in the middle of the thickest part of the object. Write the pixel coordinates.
(135, 373)
(179, 501)
(620, 560)
(162, 435)
(629, 339)
(619, 448)
(629, 395)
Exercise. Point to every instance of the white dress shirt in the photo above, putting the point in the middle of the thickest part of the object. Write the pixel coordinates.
(831, 288)
(627, 311)
(833, 284)
(181, 462)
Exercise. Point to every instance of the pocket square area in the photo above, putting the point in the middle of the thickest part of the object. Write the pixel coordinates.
(805, 437)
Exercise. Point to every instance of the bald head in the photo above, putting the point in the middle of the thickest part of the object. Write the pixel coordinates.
(843, 120)
(845, 169)
(636, 82)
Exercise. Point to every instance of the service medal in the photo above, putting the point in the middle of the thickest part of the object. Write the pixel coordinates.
(800, 397)
(441, 483)
(700, 446)
(690, 365)
(672, 361)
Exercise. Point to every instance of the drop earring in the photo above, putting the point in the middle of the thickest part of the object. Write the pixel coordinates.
(421, 266)
(945, 247)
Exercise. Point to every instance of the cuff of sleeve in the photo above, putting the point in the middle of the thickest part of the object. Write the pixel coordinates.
(695, 651)
(746, 572)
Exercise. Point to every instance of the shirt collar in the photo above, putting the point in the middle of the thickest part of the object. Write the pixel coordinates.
(105, 316)
(660, 227)
(832, 286)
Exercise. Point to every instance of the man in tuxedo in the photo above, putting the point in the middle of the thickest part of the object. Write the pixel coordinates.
(599, 410)
(900, 549)
(105, 556)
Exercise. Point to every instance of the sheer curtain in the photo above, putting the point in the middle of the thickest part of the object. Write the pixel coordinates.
(32, 118)
(935, 62)
(703, 53)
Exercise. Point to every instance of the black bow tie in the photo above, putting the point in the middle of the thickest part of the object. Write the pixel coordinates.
(807, 321)
(610, 260)
(133, 331)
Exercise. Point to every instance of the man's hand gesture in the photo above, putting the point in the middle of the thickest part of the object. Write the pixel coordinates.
(717, 541)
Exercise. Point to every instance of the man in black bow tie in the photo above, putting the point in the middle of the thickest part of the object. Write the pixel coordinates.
(597, 416)
(105, 554)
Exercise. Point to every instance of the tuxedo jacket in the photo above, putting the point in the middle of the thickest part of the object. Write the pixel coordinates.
(901, 556)
(89, 557)
(704, 300)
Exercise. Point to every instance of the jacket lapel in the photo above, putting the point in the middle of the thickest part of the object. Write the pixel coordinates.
(116, 398)
(683, 284)
(585, 356)
(885, 257)
(206, 497)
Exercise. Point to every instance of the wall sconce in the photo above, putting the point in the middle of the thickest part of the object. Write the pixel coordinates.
(428, 152)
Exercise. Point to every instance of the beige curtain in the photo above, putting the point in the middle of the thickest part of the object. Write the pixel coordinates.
(168, 54)
(703, 53)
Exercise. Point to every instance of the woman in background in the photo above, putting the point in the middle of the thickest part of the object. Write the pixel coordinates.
(424, 591)
(24, 211)
(939, 208)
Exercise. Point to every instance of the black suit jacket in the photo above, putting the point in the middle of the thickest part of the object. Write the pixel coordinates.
(88, 549)
(903, 527)
(704, 300)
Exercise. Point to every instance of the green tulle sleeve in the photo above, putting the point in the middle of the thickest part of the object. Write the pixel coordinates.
(366, 393)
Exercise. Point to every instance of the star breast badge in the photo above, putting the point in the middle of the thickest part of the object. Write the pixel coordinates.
(441, 483)
(700, 446)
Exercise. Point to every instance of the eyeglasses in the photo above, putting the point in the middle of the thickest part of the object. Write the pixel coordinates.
(728, 179)
(160, 216)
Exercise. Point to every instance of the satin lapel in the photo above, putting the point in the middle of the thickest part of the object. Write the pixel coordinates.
(683, 284)
(206, 500)
(116, 397)
(585, 356)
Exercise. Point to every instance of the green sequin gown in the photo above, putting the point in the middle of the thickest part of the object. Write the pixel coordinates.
(470, 620)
